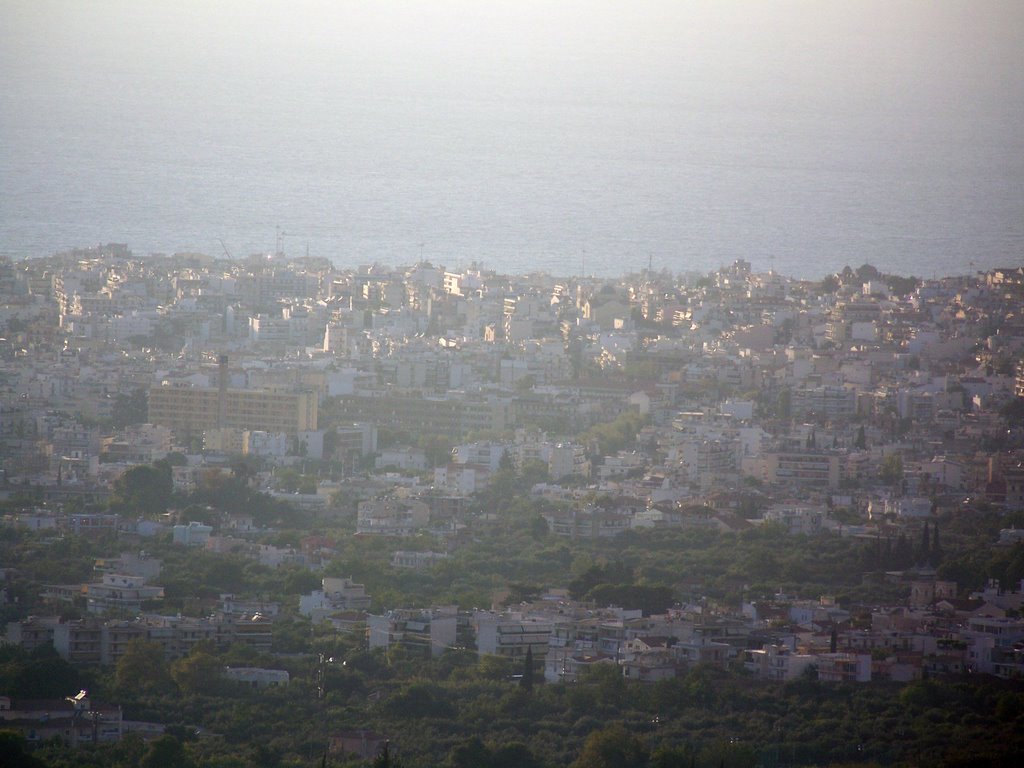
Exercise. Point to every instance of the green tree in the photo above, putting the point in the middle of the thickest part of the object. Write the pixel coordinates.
(667, 756)
(40, 674)
(13, 752)
(199, 672)
(514, 755)
(166, 752)
(129, 751)
(142, 669)
(901, 286)
(650, 600)
(386, 760)
(245, 468)
(420, 699)
(533, 472)
(469, 754)
(132, 408)
(784, 404)
(612, 747)
(292, 481)
(143, 489)
(616, 435)
(1013, 410)
(891, 469)
(436, 448)
(494, 668)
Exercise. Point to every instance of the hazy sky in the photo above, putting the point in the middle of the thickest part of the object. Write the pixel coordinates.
(123, 89)
(861, 52)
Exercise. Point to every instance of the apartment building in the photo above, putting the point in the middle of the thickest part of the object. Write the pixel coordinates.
(448, 415)
(776, 662)
(428, 632)
(830, 402)
(511, 635)
(844, 667)
(191, 410)
(816, 469)
(104, 641)
(337, 595)
(74, 720)
(391, 517)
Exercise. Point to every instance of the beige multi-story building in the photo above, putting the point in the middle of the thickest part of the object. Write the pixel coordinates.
(195, 409)
(803, 468)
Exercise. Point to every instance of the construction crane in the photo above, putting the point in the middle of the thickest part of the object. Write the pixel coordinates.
(226, 251)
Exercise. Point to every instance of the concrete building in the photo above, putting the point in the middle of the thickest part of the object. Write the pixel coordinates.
(776, 662)
(844, 667)
(391, 517)
(813, 469)
(257, 677)
(194, 534)
(795, 518)
(191, 410)
(829, 402)
(337, 596)
(120, 593)
(428, 632)
(511, 635)
(417, 561)
(74, 721)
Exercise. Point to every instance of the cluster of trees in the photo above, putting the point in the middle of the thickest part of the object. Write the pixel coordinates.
(458, 711)
(512, 545)
(147, 490)
(616, 435)
(898, 284)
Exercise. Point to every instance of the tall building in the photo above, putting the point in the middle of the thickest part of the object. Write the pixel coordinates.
(195, 409)
(803, 468)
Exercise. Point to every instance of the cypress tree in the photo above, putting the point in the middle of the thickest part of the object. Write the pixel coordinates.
(904, 553)
(527, 679)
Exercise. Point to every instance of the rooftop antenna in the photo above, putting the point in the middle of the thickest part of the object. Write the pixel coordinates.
(281, 235)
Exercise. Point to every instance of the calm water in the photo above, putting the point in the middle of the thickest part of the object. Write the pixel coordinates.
(113, 128)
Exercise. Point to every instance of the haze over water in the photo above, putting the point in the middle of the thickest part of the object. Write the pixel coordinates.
(566, 136)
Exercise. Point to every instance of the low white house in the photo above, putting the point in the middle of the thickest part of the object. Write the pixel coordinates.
(257, 677)
(192, 535)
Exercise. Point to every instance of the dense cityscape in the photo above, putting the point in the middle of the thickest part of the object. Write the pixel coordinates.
(271, 512)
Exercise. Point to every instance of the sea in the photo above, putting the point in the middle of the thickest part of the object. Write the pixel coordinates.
(589, 139)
